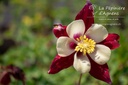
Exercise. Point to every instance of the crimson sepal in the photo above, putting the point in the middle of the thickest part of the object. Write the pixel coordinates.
(59, 30)
(100, 72)
(112, 41)
(59, 63)
(86, 14)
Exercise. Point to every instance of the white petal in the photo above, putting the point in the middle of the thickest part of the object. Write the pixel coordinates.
(97, 32)
(81, 63)
(76, 27)
(63, 48)
(101, 54)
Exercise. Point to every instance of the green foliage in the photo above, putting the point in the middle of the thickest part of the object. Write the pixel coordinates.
(31, 29)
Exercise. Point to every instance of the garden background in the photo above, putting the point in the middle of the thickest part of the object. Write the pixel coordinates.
(27, 41)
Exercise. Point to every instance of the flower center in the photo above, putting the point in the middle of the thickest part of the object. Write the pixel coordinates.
(85, 45)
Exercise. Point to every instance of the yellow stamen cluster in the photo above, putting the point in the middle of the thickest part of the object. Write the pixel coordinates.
(85, 45)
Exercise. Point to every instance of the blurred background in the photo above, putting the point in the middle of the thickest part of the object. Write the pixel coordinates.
(27, 41)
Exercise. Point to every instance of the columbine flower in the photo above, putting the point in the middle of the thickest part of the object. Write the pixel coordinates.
(85, 45)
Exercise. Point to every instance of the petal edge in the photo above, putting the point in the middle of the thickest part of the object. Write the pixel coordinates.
(101, 54)
(63, 46)
(75, 27)
(81, 63)
(97, 32)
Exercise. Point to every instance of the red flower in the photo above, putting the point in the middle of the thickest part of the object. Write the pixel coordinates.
(85, 20)
(11, 71)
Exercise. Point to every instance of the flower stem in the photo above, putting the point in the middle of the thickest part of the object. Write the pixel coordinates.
(79, 79)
